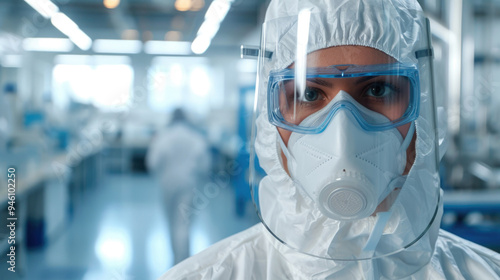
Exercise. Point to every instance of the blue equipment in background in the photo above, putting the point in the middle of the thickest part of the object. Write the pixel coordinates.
(241, 180)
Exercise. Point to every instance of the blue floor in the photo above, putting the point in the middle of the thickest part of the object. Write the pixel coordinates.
(120, 232)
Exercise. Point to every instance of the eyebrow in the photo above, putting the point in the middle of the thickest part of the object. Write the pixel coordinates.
(365, 78)
(321, 82)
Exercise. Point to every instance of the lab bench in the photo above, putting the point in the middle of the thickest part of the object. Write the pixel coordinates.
(473, 215)
(47, 191)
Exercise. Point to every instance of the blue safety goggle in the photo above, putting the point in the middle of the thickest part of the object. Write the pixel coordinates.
(391, 90)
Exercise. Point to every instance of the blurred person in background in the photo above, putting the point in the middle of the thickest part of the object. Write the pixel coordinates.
(179, 158)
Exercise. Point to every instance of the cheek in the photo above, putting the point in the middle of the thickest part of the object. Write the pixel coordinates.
(410, 155)
(403, 129)
(284, 134)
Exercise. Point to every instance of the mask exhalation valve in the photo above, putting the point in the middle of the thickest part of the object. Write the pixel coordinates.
(347, 198)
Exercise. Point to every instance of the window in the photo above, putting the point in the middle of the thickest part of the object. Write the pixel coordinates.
(189, 82)
(106, 86)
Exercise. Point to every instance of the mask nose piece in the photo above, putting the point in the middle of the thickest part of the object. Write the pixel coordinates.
(342, 67)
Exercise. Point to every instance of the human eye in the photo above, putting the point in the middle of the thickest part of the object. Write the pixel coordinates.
(312, 94)
(380, 90)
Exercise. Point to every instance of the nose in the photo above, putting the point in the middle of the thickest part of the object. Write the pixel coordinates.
(344, 107)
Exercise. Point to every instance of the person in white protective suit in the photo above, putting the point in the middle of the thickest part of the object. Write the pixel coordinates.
(346, 130)
(179, 157)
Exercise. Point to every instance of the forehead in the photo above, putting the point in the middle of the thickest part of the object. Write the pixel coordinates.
(358, 55)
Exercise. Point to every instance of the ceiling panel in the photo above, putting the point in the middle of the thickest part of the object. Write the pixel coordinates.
(151, 18)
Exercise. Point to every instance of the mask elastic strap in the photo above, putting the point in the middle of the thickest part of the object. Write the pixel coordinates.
(383, 217)
(408, 138)
(378, 230)
(399, 181)
(288, 156)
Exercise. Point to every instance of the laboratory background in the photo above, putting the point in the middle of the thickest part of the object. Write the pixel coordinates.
(126, 125)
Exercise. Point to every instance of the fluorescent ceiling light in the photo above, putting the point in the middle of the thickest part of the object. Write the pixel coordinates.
(81, 39)
(46, 8)
(69, 28)
(64, 24)
(117, 46)
(200, 44)
(209, 28)
(167, 47)
(218, 10)
(47, 44)
(12, 60)
(112, 60)
(73, 59)
(216, 13)
(183, 60)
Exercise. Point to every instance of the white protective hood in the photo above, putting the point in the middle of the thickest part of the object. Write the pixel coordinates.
(409, 236)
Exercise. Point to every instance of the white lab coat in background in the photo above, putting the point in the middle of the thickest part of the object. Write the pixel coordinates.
(179, 157)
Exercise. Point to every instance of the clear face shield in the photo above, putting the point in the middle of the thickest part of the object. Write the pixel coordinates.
(344, 154)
